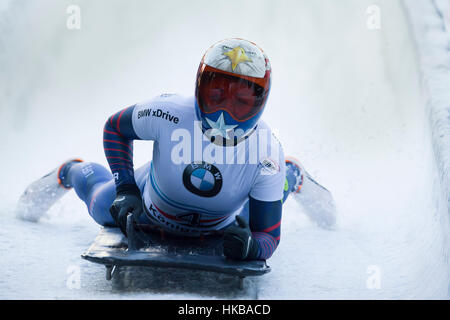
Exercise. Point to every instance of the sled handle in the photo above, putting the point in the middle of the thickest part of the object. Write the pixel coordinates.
(131, 234)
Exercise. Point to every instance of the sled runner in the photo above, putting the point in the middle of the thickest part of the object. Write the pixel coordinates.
(149, 246)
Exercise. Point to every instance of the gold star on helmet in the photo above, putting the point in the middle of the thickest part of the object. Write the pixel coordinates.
(237, 55)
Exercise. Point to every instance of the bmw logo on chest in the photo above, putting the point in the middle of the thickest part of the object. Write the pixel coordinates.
(202, 179)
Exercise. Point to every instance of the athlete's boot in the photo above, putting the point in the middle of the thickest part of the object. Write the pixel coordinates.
(40, 195)
(316, 200)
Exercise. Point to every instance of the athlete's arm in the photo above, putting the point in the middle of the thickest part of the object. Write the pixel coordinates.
(118, 136)
(265, 204)
(257, 240)
(143, 121)
(265, 224)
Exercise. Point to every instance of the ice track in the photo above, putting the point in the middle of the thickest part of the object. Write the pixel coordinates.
(345, 100)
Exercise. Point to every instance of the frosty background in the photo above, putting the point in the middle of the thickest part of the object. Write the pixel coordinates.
(346, 100)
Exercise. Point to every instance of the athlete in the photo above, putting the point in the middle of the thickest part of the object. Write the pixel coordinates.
(215, 166)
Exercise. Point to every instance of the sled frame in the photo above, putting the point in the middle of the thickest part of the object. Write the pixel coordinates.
(152, 248)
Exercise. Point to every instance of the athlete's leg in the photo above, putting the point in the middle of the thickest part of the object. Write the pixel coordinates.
(316, 200)
(42, 194)
(94, 184)
(294, 178)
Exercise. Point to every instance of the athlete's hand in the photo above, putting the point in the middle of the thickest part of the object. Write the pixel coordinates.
(238, 243)
(128, 200)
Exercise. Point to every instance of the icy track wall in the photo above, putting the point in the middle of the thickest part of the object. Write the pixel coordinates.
(346, 101)
(430, 24)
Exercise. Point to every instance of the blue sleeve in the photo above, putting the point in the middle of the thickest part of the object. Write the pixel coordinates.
(265, 224)
(118, 136)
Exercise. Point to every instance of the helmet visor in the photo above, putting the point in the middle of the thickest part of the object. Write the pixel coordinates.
(241, 98)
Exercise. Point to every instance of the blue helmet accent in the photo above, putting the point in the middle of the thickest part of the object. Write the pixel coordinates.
(242, 127)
